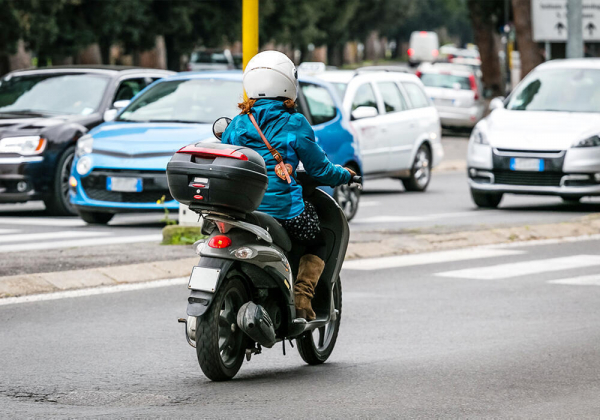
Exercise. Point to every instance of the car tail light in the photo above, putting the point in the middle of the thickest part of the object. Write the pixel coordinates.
(474, 87)
(418, 74)
(450, 58)
(410, 52)
(423, 33)
(219, 242)
(435, 53)
(206, 152)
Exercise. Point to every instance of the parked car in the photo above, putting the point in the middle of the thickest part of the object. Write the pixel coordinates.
(456, 92)
(42, 114)
(543, 139)
(120, 166)
(424, 46)
(397, 126)
(211, 59)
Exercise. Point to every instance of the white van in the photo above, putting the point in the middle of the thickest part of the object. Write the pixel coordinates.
(423, 47)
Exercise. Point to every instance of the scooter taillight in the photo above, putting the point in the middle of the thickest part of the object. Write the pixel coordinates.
(219, 242)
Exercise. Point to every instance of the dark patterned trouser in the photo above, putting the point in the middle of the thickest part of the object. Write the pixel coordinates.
(305, 229)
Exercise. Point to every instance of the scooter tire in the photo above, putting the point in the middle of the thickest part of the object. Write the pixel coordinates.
(231, 293)
(313, 353)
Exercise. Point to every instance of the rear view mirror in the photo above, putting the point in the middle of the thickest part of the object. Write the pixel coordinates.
(364, 112)
(220, 125)
(111, 114)
(496, 103)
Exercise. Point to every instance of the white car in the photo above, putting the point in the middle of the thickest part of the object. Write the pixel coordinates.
(397, 126)
(543, 139)
(424, 47)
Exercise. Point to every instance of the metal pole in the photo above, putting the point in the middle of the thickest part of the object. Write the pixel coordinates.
(249, 29)
(548, 51)
(575, 29)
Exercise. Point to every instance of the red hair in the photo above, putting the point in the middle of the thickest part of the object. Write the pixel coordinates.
(247, 105)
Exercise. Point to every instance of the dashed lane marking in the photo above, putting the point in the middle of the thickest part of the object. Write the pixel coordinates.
(46, 221)
(80, 242)
(593, 280)
(525, 268)
(428, 258)
(25, 237)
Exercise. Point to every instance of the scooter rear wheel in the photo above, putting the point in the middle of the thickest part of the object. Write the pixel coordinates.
(220, 344)
(316, 346)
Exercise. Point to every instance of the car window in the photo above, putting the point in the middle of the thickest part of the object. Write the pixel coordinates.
(416, 95)
(364, 97)
(319, 102)
(129, 88)
(446, 81)
(392, 98)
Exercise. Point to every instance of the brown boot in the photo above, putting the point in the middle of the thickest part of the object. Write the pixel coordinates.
(309, 273)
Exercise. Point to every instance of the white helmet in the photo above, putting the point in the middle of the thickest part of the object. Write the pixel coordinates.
(270, 74)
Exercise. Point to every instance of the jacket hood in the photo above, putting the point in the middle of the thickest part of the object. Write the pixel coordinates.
(130, 139)
(268, 113)
(539, 130)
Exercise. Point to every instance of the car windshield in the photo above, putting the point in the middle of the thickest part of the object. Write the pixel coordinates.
(340, 88)
(447, 81)
(189, 101)
(566, 90)
(77, 94)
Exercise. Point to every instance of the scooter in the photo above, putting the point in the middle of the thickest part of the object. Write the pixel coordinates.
(242, 290)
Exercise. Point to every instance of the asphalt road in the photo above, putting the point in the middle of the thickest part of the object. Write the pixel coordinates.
(68, 243)
(506, 332)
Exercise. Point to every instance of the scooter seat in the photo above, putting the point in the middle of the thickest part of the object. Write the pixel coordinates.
(277, 232)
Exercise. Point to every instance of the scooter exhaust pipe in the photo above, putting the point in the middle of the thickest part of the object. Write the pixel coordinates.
(254, 320)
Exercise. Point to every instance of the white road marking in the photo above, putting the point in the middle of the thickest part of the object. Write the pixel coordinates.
(525, 268)
(421, 218)
(5, 231)
(24, 237)
(428, 258)
(369, 203)
(80, 242)
(94, 291)
(46, 221)
(593, 280)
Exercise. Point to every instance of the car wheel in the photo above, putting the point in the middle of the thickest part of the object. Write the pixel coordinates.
(420, 173)
(486, 200)
(58, 203)
(95, 217)
(348, 198)
(571, 200)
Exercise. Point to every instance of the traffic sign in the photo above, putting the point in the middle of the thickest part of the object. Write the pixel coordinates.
(549, 19)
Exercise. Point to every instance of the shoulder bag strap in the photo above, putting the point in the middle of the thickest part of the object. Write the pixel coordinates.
(274, 152)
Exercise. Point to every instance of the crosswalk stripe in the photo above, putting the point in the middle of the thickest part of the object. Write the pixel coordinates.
(5, 231)
(593, 280)
(47, 221)
(80, 242)
(428, 258)
(503, 271)
(25, 237)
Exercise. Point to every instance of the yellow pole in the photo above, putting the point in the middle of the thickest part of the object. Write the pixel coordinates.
(249, 29)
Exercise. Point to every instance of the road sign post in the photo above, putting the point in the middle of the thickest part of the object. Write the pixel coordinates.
(575, 29)
(249, 29)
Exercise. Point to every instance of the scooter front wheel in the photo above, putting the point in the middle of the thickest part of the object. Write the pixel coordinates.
(316, 346)
(220, 344)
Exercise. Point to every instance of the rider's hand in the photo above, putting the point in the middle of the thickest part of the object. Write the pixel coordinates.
(352, 173)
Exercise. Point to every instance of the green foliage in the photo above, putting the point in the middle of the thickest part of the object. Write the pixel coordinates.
(181, 235)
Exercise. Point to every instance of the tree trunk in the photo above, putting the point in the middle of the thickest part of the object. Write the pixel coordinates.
(485, 38)
(335, 54)
(105, 51)
(173, 56)
(529, 50)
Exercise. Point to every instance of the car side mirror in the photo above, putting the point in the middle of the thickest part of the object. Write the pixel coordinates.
(364, 112)
(496, 103)
(111, 114)
(220, 125)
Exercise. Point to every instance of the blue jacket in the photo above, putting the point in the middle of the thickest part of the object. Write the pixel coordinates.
(292, 136)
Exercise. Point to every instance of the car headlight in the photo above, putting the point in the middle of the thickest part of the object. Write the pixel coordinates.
(24, 145)
(478, 137)
(85, 145)
(84, 164)
(593, 141)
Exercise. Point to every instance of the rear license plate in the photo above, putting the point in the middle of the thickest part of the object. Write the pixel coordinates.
(524, 164)
(204, 279)
(122, 184)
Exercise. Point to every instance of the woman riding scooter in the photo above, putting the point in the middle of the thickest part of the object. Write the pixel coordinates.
(269, 124)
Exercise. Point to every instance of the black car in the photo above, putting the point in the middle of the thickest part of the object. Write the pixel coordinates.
(42, 114)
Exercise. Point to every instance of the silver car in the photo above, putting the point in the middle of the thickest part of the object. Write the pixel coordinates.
(456, 93)
(543, 139)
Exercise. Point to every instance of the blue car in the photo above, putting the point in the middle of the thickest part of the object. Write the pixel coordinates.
(120, 165)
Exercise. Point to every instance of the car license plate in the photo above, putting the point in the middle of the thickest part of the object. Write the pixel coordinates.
(524, 164)
(122, 184)
(204, 279)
